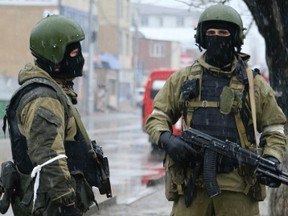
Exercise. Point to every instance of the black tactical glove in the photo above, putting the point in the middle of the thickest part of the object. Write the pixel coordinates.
(267, 180)
(177, 149)
(70, 211)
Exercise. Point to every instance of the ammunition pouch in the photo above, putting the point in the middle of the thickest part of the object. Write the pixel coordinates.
(8, 184)
(254, 189)
(22, 200)
(226, 100)
(257, 192)
(84, 193)
(230, 100)
(190, 89)
(43, 205)
(174, 179)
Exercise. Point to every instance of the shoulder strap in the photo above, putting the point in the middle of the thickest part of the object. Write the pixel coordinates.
(83, 130)
(239, 123)
(195, 72)
(252, 101)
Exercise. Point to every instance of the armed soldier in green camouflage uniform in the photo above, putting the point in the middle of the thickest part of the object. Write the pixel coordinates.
(47, 136)
(220, 96)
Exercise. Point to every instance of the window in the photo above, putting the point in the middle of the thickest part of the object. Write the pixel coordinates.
(127, 44)
(156, 86)
(144, 21)
(112, 87)
(120, 42)
(157, 50)
(120, 9)
(180, 22)
(160, 21)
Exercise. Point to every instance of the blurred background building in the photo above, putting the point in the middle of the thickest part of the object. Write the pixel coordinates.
(124, 41)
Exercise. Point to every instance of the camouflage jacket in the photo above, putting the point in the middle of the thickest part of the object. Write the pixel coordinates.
(43, 123)
(169, 105)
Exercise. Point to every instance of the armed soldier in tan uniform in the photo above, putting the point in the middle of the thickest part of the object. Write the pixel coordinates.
(213, 96)
(55, 161)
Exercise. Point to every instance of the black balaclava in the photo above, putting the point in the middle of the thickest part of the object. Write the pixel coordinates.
(73, 65)
(220, 50)
(69, 67)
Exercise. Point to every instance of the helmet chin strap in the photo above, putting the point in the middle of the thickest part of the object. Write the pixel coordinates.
(68, 84)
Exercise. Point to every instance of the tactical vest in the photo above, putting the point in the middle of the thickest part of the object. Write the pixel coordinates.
(81, 154)
(219, 125)
(226, 118)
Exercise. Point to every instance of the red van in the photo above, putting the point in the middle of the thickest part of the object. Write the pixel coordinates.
(155, 82)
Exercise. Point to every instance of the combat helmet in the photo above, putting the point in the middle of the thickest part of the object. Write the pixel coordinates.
(220, 13)
(51, 35)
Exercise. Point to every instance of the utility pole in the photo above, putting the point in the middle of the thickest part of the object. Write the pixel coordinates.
(135, 24)
(91, 78)
(60, 6)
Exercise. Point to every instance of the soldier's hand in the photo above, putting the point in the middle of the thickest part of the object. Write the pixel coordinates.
(177, 149)
(70, 210)
(267, 180)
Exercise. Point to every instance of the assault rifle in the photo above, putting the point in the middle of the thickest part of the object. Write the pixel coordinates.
(212, 147)
(95, 170)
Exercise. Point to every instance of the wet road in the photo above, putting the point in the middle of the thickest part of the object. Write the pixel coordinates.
(153, 203)
(127, 149)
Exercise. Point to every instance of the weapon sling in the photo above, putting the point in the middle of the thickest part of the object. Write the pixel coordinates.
(106, 186)
(239, 123)
(242, 132)
(82, 129)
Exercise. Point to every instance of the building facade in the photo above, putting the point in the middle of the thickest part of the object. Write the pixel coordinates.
(115, 38)
(17, 20)
(106, 26)
(163, 27)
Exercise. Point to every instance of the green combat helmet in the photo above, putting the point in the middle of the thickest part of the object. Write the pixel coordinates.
(220, 13)
(51, 35)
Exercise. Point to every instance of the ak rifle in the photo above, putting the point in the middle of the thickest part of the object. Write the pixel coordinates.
(212, 147)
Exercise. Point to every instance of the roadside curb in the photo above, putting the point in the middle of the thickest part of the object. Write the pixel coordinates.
(113, 201)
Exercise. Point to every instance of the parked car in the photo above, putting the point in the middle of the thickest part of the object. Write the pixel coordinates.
(139, 94)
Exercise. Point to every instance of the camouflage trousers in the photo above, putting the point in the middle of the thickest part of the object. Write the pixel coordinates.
(226, 204)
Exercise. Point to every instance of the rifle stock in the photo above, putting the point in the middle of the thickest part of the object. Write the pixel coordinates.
(212, 146)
